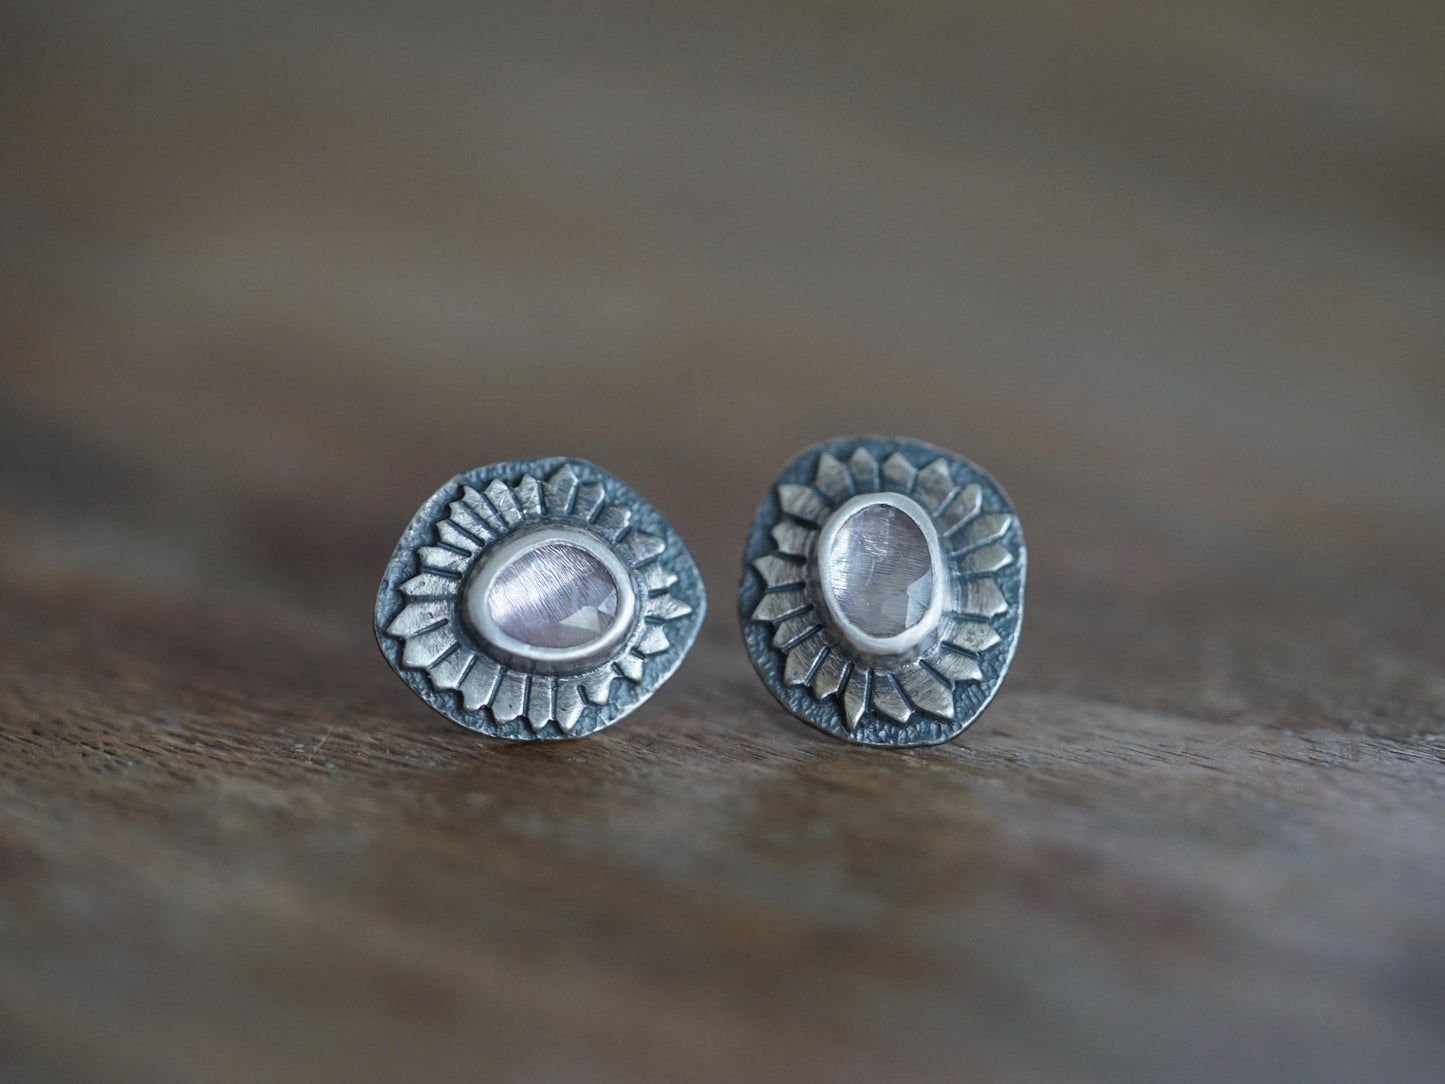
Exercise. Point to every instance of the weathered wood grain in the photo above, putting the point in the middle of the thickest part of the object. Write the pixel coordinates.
(1175, 278)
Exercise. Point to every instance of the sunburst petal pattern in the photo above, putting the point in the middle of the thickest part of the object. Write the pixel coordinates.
(953, 657)
(472, 528)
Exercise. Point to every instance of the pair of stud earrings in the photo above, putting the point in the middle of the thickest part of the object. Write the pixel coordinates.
(881, 598)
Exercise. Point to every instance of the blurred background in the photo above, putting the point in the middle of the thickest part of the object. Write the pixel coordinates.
(1175, 274)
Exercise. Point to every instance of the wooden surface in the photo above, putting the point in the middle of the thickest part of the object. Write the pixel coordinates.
(1177, 278)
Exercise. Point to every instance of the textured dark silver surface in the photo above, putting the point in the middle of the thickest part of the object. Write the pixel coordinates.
(838, 678)
(423, 628)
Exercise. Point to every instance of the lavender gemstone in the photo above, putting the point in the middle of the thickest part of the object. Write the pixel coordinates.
(881, 571)
(555, 596)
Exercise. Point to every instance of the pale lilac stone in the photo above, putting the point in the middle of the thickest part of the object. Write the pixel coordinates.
(880, 571)
(555, 596)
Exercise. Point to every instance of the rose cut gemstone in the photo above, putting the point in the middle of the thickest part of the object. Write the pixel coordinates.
(880, 570)
(555, 596)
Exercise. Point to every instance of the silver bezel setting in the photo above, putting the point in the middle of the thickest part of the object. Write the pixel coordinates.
(930, 682)
(433, 626)
(558, 660)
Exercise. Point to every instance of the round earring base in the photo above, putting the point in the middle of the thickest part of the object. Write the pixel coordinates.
(924, 698)
(433, 647)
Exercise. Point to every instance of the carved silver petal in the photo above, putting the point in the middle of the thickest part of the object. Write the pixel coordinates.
(990, 558)
(792, 629)
(801, 659)
(539, 702)
(804, 502)
(780, 604)
(864, 469)
(832, 479)
(855, 698)
(473, 524)
(888, 700)
(449, 672)
(642, 547)
(529, 496)
(961, 509)
(934, 485)
(974, 636)
(779, 572)
(480, 683)
(956, 667)
(444, 559)
(500, 494)
(560, 491)
(589, 499)
(511, 699)
(794, 539)
(830, 674)
(481, 509)
(612, 522)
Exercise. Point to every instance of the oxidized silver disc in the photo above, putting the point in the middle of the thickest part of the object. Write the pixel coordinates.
(883, 590)
(538, 599)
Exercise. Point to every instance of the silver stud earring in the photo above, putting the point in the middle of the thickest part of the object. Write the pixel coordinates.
(883, 590)
(538, 599)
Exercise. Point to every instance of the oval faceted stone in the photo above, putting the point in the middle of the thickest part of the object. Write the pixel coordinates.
(880, 570)
(555, 596)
